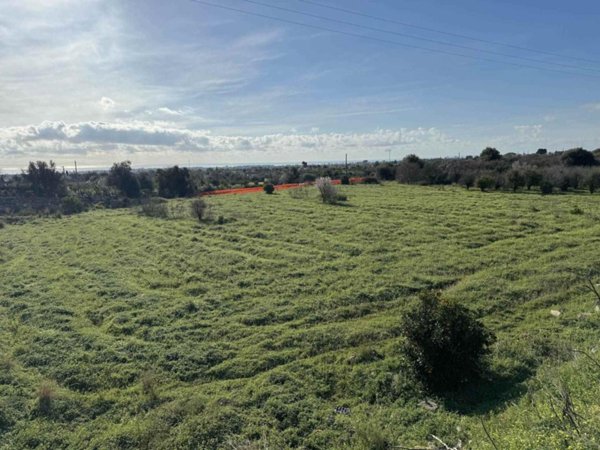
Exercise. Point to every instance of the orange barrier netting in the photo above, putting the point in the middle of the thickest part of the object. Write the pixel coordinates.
(278, 187)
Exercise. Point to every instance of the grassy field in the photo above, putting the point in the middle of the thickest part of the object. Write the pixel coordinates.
(124, 331)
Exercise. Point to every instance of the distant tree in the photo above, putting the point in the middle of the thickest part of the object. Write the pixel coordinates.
(122, 177)
(579, 157)
(146, 181)
(592, 181)
(44, 178)
(532, 177)
(485, 182)
(269, 188)
(445, 343)
(490, 154)
(174, 182)
(412, 158)
(541, 151)
(293, 175)
(309, 177)
(516, 179)
(546, 187)
(468, 180)
(386, 172)
(410, 170)
(304, 164)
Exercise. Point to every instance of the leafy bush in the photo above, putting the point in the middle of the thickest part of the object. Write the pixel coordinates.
(174, 182)
(386, 172)
(199, 209)
(269, 188)
(122, 177)
(345, 180)
(546, 187)
(155, 207)
(592, 181)
(327, 190)
(484, 183)
(44, 178)
(445, 343)
(72, 205)
(490, 154)
(579, 157)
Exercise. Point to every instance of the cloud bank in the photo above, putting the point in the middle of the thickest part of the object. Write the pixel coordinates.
(50, 138)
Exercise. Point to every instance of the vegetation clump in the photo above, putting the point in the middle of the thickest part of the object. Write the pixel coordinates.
(199, 209)
(445, 343)
(327, 190)
(269, 188)
(122, 177)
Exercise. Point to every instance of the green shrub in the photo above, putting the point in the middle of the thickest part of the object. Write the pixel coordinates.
(484, 183)
(345, 180)
(72, 205)
(155, 207)
(269, 188)
(546, 187)
(445, 343)
(327, 190)
(199, 209)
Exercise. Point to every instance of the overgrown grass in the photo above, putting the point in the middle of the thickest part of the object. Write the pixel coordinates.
(119, 330)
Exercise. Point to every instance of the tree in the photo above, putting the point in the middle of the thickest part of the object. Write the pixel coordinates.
(490, 154)
(269, 188)
(579, 157)
(532, 177)
(445, 343)
(409, 171)
(386, 172)
(485, 182)
(546, 187)
(592, 181)
(44, 178)
(516, 179)
(122, 177)
(174, 182)
(541, 151)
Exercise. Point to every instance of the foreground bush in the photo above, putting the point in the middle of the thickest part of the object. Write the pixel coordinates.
(199, 209)
(269, 188)
(445, 343)
(327, 190)
(155, 208)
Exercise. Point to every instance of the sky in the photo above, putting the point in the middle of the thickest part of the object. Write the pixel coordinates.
(185, 82)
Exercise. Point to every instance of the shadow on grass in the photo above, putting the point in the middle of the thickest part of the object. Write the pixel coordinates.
(491, 393)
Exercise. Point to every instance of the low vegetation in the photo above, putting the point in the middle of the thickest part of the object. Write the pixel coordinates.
(286, 323)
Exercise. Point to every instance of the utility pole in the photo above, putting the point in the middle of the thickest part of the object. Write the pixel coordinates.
(75, 167)
(389, 151)
(346, 164)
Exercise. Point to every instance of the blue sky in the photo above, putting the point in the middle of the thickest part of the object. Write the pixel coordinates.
(181, 82)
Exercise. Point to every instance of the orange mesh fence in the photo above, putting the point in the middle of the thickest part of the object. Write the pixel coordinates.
(278, 187)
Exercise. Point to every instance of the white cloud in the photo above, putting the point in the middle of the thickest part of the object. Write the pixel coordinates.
(106, 103)
(530, 132)
(59, 138)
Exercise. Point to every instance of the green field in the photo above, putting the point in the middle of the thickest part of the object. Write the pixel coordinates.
(124, 331)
